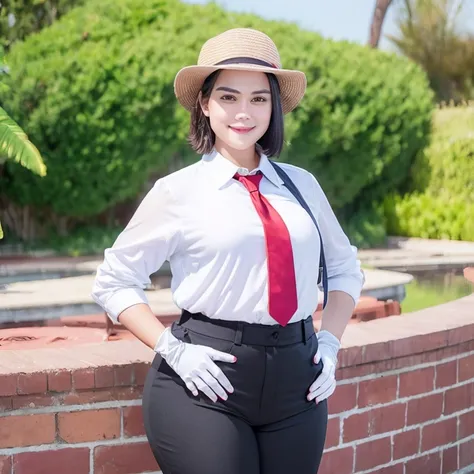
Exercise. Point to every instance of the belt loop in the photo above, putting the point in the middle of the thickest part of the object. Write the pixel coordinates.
(303, 330)
(238, 333)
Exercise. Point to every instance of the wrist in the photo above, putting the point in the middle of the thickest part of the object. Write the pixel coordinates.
(329, 340)
(166, 343)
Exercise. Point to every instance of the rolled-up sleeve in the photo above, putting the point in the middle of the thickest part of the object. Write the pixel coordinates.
(343, 267)
(149, 239)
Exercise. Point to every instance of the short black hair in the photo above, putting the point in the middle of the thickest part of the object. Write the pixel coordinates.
(202, 138)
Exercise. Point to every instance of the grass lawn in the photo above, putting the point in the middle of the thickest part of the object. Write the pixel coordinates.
(423, 294)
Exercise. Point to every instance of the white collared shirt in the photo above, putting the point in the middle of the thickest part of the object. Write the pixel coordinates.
(204, 223)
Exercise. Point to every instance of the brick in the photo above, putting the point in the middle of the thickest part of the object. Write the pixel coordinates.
(406, 443)
(32, 401)
(466, 368)
(104, 377)
(8, 384)
(466, 454)
(333, 432)
(372, 454)
(95, 396)
(133, 421)
(70, 460)
(466, 425)
(5, 465)
(5, 404)
(89, 425)
(32, 383)
(388, 418)
(380, 390)
(339, 460)
(26, 430)
(450, 460)
(426, 464)
(424, 409)
(60, 381)
(124, 459)
(355, 427)
(395, 469)
(123, 376)
(346, 370)
(446, 374)
(459, 398)
(416, 382)
(438, 434)
(343, 399)
(83, 379)
(141, 371)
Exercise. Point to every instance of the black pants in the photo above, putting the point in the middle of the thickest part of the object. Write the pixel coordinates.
(267, 426)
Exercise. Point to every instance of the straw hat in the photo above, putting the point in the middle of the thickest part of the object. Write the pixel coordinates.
(242, 49)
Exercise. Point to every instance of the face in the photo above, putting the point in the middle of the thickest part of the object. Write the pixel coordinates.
(239, 109)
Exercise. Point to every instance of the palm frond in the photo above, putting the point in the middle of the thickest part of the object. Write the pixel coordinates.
(15, 145)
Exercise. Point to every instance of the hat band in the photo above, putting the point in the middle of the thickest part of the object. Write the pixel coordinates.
(245, 60)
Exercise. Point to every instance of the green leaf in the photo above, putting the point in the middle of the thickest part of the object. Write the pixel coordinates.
(14, 143)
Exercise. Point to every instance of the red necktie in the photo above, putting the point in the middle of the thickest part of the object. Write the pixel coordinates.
(282, 297)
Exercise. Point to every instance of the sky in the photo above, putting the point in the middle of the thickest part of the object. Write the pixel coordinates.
(336, 19)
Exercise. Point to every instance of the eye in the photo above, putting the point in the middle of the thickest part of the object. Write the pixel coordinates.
(228, 97)
(259, 99)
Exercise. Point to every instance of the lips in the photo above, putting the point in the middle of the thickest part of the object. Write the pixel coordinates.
(241, 130)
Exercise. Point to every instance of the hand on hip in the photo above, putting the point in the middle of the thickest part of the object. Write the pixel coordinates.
(325, 384)
(195, 365)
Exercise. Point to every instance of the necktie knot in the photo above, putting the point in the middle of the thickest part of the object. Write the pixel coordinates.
(251, 181)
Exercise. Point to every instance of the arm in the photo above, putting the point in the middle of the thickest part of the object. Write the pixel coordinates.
(345, 277)
(150, 238)
(345, 281)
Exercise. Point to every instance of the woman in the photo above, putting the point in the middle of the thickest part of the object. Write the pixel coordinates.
(239, 385)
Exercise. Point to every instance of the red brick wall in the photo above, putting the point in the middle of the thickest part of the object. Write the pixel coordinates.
(81, 421)
(409, 416)
(404, 402)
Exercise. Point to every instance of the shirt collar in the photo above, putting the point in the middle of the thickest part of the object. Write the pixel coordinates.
(223, 170)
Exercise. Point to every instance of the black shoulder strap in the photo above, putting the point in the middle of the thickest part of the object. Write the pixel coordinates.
(323, 275)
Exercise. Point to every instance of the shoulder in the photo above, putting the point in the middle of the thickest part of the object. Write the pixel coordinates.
(180, 181)
(301, 177)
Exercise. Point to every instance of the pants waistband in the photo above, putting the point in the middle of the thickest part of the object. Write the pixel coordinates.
(247, 333)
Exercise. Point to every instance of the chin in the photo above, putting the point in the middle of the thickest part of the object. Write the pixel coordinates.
(243, 144)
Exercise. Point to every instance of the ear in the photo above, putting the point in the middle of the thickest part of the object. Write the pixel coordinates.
(204, 104)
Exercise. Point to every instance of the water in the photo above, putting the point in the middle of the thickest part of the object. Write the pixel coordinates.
(7, 279)
(431, 288)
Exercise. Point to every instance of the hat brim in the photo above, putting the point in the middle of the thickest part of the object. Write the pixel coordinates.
(189, 80)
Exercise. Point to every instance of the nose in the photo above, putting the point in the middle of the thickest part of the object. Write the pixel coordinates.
(242, 115)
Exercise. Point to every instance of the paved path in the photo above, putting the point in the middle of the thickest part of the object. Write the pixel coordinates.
(405, 254)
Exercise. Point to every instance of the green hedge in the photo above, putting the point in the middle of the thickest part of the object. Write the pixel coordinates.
(95, 94)
(429, 216)
(441, 202)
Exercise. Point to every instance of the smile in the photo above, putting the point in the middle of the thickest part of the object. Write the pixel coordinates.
(242, 130)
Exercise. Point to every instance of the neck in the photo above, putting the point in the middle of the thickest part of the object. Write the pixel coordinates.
(249, 158)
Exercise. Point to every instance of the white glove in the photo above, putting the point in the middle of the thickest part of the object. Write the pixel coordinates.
(194, 364)
(325, 384)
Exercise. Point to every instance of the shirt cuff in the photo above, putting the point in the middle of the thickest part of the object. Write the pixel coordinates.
(352, 285)
(123, 299)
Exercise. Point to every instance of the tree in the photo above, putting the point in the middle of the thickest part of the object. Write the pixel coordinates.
(430, 33)
(20, 18)
(380, 11)
(15, 145)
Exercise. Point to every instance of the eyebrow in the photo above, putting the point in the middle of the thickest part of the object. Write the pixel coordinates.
(235, 91)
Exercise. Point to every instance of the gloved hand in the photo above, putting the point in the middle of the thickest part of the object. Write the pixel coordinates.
(325, 383)
(195, 365)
